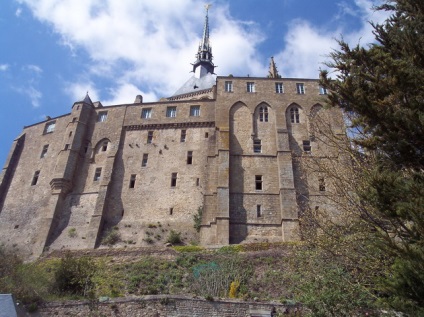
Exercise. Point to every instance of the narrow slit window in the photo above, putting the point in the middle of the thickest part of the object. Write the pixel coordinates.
(35, 178)
(144, 161)
(257, 146)
(183, 135)
(66, 147)
(190, 157)
(263, 114)
(171, 211)
(44, 151)
(149, 137)
(104, 146)
(258, 182)
(97, 174)
(307, 146)
(279, 89)
(197, 181)
(70, 133)
(174, 180)
(258, 211)
(321, 184)
(206, 135)
(132, 180)
(294, 115)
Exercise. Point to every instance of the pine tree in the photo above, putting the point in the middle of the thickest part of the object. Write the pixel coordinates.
(381, 88)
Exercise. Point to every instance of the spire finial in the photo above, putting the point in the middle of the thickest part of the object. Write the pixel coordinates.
(203, 64)
(273, 72)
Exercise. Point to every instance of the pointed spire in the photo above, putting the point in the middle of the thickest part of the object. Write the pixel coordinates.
(203, 64)
(87, 99)
(273, 72)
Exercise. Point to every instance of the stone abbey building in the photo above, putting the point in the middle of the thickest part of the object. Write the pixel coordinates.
(227, 145)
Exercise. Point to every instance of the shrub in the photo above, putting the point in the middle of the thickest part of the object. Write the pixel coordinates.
(197, 218)
(174, 237)
(74, 276)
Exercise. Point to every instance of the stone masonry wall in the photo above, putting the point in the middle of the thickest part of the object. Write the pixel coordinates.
(164, 306)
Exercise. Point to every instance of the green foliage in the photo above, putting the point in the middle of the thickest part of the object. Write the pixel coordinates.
(380, 88)
(153, 276)
(213, 278)
(232, 248)
(72, 232)
(174, 237)
(29, 283)
(74, 276)
(197, 218)
(112, 237)
(188, 248)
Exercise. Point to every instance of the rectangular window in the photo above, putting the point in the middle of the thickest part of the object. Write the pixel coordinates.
(35, 178)
(197, 181)
(49, 128)
(206, 135)
(229, 86)
(183, 135)
(149, 137)
(190, 157)
(257, 146)
(279, 88)
(258, 211)
(102, 116)
(44, 151)
(322, 90)
(250, 87)
(97, 174)
(300, 88)
(258, 182)
(104, 146)
(321, 184)
(195, 111)
(171, 211)
(174, 180)
(132, 180)
(294, 115)
(307, 146)
(171, 112)
(146, 113)
(144, 161)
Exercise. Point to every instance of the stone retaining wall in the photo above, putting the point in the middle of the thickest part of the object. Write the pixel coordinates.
(165, 306)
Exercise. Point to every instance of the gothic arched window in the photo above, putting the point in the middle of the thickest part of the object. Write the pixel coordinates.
(263, 114)
(294, 115)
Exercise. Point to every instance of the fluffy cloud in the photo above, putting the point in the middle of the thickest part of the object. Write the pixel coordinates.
(139, 45)
(307, 47)
(139, 42)
(4, 67)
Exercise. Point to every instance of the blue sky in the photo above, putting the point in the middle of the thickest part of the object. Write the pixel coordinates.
(54, 51)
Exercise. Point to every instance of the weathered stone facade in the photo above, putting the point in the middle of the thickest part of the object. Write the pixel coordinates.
(230, 146)
(231, 151)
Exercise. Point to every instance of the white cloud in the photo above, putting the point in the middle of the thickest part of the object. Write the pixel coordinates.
(31, 92)
(4, 67)
(307, 47)
(18, 12)
(126, 93)
(142, 43)
(77, 91)
(33, 68)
